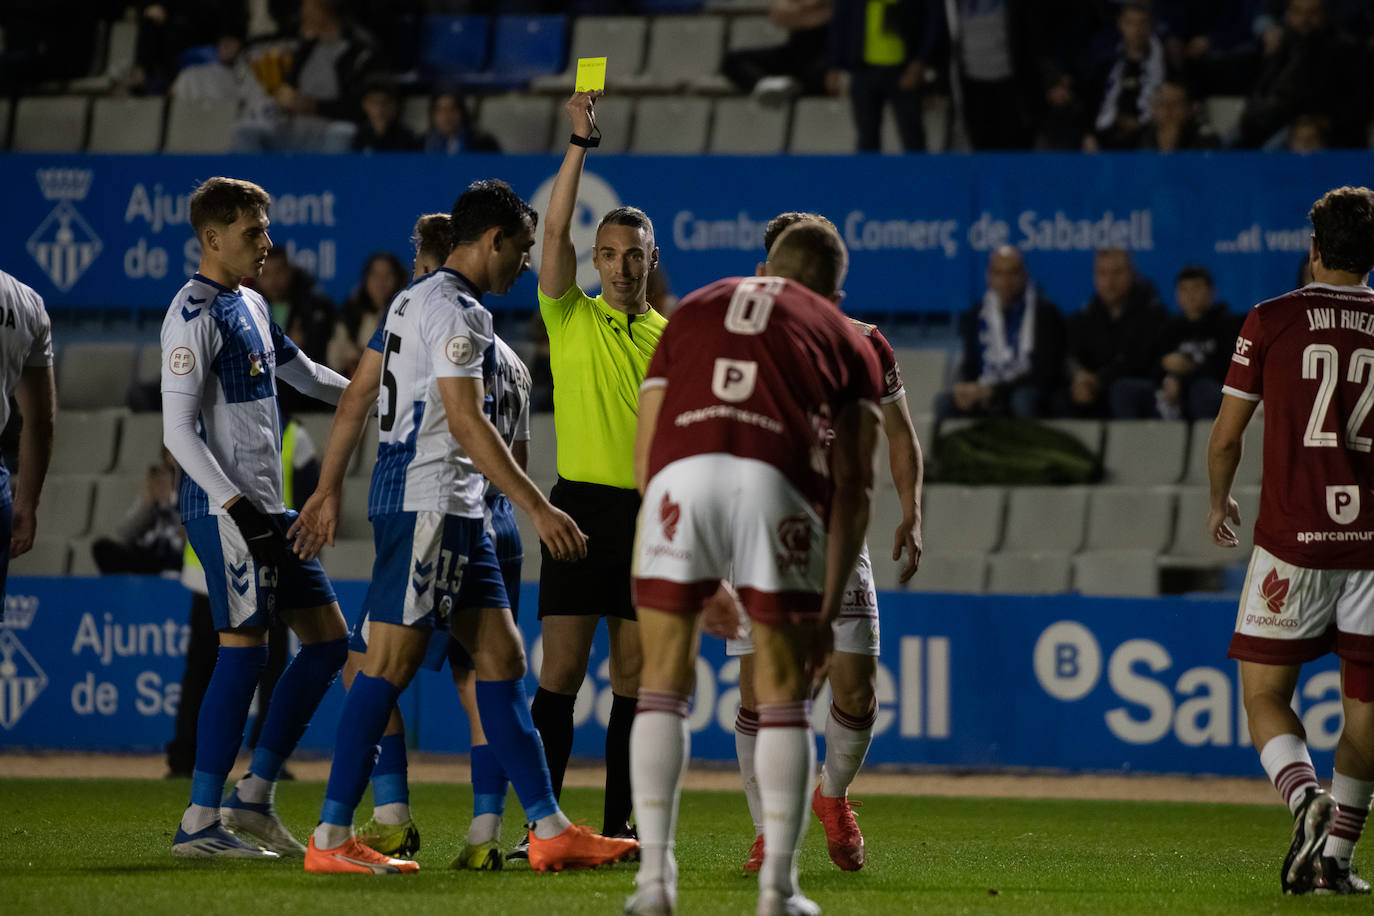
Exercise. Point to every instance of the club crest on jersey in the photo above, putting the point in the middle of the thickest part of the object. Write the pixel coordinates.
(64, 244)
(794, 535)
(254, 364)
(459, 349)
(1343, 504)
(181, 361)
(669, 513)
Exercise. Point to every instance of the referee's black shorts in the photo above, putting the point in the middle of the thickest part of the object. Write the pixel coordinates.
(600, 584)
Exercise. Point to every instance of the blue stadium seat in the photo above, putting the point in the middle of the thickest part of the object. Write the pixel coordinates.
(523, 47)
(453, 48)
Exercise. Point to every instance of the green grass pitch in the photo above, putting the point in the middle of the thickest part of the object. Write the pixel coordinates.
(94, 847)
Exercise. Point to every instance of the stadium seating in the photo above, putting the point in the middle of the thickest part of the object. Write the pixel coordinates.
(925, 373)
(132, 125)
(619, 39)
(614, 118)
(50, 556)
(885, 514)
(674, 125)
(753, 32)
(93, 375)
(66, 505)
(1043, 519)
(943, 571)
(148, 367)
(1248, 474)
(1130, 518)
(50, 124)
(415, 114)
(1144, 451)
(84, 441)
(6, 108)
(140, 442)
(454, 47)
(962, 519)
(1029, 573)
(1117, 573)
(115, 495)
(681, 49)
(523, 47)
(199, 127)
(744, 127)
(822, 126)
(1191, 546)
(1089, 432)
(520, 123)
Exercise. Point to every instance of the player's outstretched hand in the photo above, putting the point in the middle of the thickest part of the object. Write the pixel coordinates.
(565, 540)
(580, 111)
(908, 541)
(1221, 533)
(265, 540)
(22, 531)
(316, 524)
(722, 612)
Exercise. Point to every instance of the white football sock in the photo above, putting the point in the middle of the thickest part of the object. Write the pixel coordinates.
(546, 828)
(1285, 759)
(197, 817)
(746, 741)
(1352, 797)
(484, 828)
(256, 790)
(786, 761)
(846, 744)
(659, 742)
(394, 813)
(328, 836)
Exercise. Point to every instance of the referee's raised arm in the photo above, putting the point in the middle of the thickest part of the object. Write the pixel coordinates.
(558, 262)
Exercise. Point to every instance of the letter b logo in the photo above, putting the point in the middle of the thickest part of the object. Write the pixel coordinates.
(1067, 660)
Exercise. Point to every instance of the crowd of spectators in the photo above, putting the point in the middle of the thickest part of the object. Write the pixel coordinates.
(1122, 355)
(327, 75)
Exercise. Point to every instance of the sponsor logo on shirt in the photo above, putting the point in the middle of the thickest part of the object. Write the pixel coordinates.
(1274, 590)
(1343, 503)
(669, 513)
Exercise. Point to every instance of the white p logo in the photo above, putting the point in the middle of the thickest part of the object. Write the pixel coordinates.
(733, 379)
(1343, 504)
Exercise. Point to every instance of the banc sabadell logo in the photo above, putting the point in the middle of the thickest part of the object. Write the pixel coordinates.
(594, 198)
(64, 244)
(21, 680)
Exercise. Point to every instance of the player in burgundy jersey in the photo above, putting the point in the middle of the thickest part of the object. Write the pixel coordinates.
(1309, 355)
(751, 382)
(854, 663)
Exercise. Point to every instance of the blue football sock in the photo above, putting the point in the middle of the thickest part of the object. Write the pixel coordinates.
(300, 688)
(361, 723)
(505, 713)
(223, 712)
(488, 782)
(389, 783)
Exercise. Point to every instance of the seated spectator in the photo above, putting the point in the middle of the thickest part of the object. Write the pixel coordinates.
(150, 538)
(1308, 134)
(166, 31)
(774, 74)
(1013, 348)
(451, 129)
(220, 80)
(382, 278)
(381, 130)
(1128, 92)
(1313, 69)
(1173, 123)
(1197, 347)
(1114, 343)
(298, 304)
(316, 103)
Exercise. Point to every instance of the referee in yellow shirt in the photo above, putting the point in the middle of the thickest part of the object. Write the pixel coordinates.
(599, 352)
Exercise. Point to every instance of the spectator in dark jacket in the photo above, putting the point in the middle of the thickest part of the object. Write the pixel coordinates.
(1197, 347)
(1174, 125)
(999, 62)
(889, 50)
(1114, 343)
(797, 66)
(1136, 72)
(381, 130)
(1013, 347)
(451, 129)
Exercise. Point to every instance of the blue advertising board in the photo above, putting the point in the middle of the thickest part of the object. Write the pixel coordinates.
(1064, 682)
(112, 231)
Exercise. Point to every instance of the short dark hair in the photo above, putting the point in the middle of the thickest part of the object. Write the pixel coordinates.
(810, 252)
(487, 204)
(1196, 272)
(777, 224)
(633, 217)
(1343, 227)
(433, 237)
(1137, 6)
(222, 200)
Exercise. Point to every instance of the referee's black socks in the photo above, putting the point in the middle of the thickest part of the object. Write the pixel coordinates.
(553, 716)
(618, 797)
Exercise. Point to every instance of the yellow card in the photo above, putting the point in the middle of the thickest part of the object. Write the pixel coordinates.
(591, 74)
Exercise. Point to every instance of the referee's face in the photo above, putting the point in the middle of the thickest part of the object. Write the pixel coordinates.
(624, 256)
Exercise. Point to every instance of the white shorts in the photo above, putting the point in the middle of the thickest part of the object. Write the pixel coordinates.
(1291, 614)
(856, 629)
(712, 517)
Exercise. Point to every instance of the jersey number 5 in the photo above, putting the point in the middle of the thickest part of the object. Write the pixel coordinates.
(1322, 362)
(391, 347)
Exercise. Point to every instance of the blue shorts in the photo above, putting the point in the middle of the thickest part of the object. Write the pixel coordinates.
(428, 566)
(243, 594)
(443, 647)
(6, 530)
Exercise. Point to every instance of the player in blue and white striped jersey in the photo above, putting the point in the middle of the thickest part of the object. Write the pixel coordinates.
(435, 563)
(26, 375)
(221, 357)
